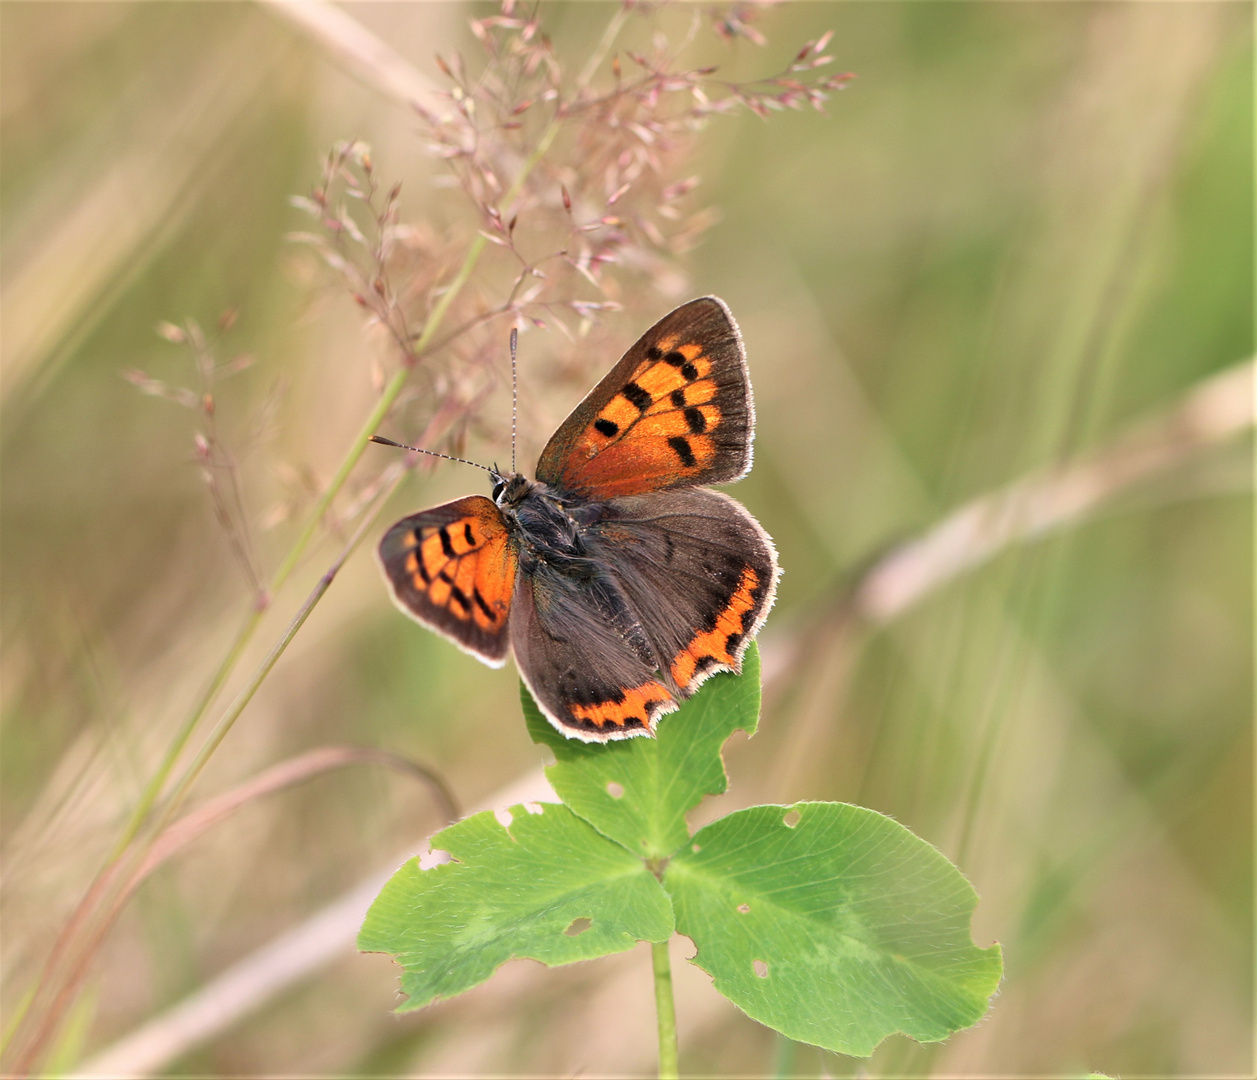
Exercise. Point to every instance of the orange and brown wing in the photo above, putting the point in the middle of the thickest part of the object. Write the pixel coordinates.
(699, 573)
(453, 569)
(584, 658)
(675, 411)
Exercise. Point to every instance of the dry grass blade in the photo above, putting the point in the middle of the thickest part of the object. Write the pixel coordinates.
(370, 59)
(284, 775)
(1212, 412)
(294, 955)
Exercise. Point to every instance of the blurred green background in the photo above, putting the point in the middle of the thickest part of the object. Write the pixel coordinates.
(1022, 229)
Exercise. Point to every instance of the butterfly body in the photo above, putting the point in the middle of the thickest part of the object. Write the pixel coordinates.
(616, 580)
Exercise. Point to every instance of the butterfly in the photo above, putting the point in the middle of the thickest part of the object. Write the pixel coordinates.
(616, 580)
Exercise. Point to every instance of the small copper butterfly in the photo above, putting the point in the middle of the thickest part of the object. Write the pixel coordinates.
(616, 581)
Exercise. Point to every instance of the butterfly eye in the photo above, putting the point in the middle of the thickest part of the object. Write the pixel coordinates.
(498, 488)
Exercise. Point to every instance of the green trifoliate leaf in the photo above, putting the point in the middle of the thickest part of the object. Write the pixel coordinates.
(546, 886)
(834, 925)
(638, 791)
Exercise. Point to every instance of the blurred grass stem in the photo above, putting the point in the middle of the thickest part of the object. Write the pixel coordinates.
(157, 782)
(387, 400)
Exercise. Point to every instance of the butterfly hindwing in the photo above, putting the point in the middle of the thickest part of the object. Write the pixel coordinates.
(584, 657)
(675, 411)
(699, 572)
(453, 569)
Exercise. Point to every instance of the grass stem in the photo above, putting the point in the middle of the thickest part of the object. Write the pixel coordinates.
(142, 815)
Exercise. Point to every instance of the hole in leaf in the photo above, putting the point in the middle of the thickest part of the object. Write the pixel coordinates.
(616, 791)
(504, 818)
(761, 969)
(743, 908)
(534, 808)
(579, 926)
(791, 819)
(435, 857)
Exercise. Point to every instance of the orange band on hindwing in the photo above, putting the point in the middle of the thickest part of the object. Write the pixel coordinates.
(635, 709)
(719, 645)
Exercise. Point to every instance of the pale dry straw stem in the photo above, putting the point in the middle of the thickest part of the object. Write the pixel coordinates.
(84, 914)
(94, 916)
(125, 877)
(366, 55)
(1216, 410)
(74, 249)
(284, 961)
(1213, 412)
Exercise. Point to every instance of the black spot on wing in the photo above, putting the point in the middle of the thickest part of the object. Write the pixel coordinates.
(681, 446)
(468, 535)
(460, 598)
(654, 352)
(689, 371)
(636, 396)
(674, 359)
(480, 603)
(678, 398)
(609, 428)
(446, 546)
(696, 420)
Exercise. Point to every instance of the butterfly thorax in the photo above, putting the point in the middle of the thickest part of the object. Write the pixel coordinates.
(540, 521)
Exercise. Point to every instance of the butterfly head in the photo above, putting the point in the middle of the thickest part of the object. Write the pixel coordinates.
(510, 491)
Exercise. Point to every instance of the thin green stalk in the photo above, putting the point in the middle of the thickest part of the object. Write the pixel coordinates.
(158, 780)
(787, 1054)
(14, 1021)
(105, 912)
(385, 403)
(665, 1009)
(388, 398)
(243, 698)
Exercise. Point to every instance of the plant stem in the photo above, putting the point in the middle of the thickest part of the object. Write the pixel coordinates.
(143, 812)
(665, 1009)
(243, 698)
(157, 781)
(99, 909)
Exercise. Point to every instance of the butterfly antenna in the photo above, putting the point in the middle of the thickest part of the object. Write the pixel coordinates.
(414, 449)
(514, 395)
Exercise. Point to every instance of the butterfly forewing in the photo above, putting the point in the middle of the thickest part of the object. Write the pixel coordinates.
(453, 568)
(675, 411)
